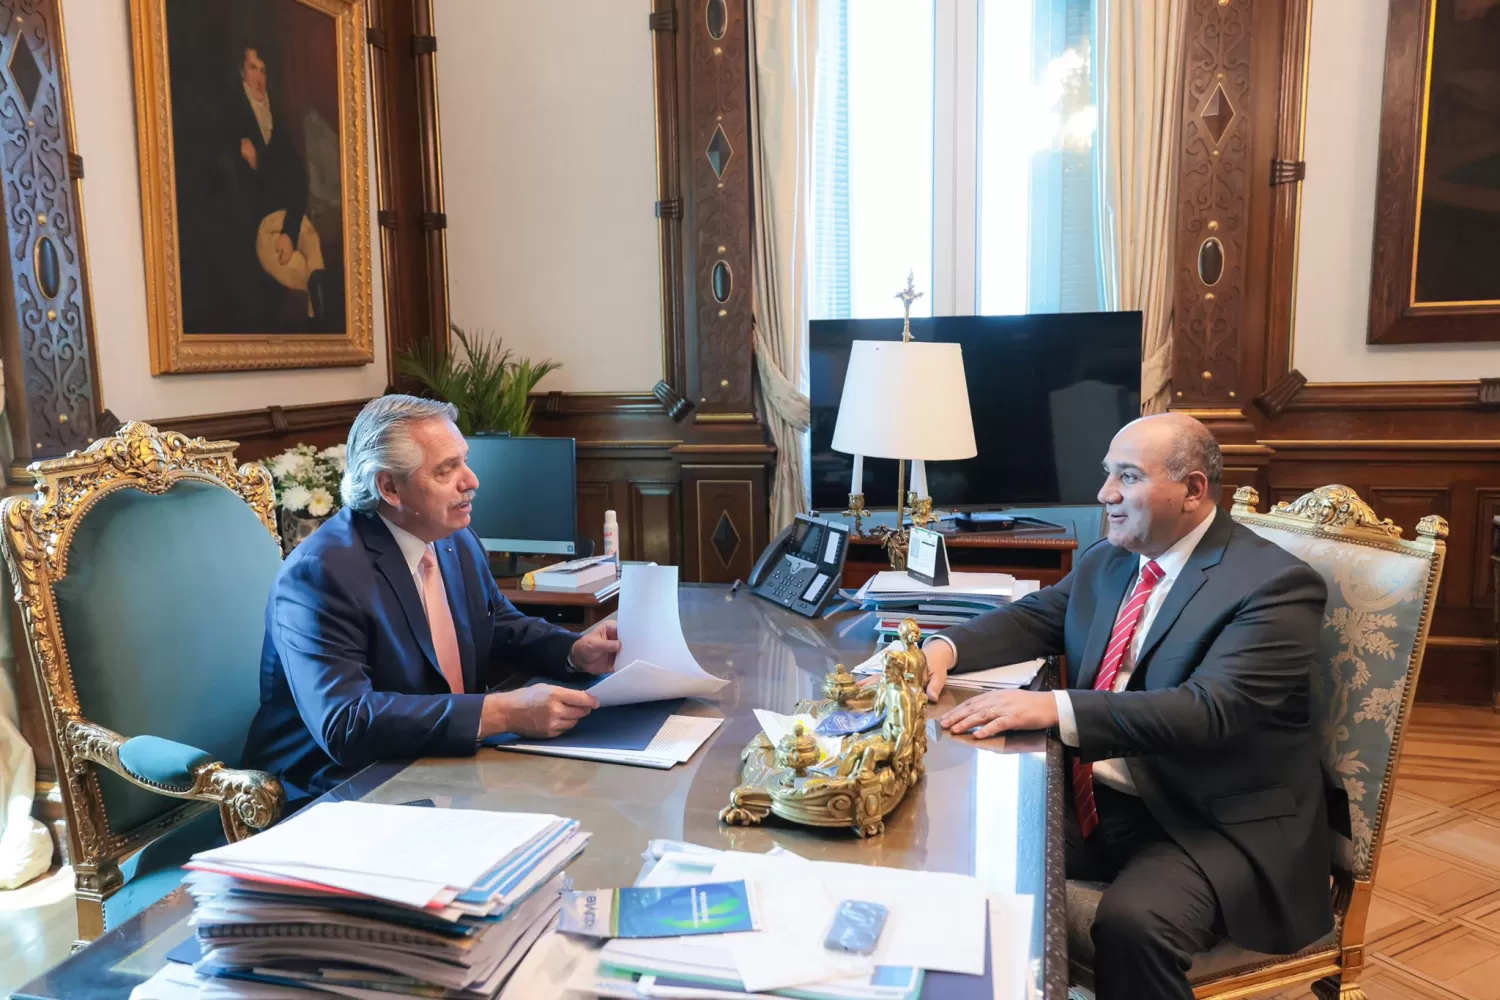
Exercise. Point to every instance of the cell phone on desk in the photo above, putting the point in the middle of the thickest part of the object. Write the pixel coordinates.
(803, 566)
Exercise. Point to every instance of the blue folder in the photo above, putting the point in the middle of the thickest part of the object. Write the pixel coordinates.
(620, 727)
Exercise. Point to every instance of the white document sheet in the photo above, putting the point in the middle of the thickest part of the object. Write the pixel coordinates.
(675, 743)
(453, 847)
(936, 921)
(896, 581)
(1010, 945)
(655, 661)
(1012, 675)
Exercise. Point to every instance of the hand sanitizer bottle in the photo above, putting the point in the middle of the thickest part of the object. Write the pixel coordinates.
(611, 536)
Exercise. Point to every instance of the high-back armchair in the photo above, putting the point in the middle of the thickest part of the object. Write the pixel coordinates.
(1381, 592)
(141, 567)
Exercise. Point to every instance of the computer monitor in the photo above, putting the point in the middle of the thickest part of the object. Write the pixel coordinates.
(528, 494)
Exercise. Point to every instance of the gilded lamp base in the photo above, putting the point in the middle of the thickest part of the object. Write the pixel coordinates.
(868, 777)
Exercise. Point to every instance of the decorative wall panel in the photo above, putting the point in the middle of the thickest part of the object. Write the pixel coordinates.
(50, 377)
(1214, 177)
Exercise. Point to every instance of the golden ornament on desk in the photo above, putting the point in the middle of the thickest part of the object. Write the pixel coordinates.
(868, 777)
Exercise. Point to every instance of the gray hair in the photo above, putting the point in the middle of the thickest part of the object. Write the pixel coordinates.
(380, 441)
(1195, 450)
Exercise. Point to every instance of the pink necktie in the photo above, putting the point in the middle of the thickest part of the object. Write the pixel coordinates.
(1109, 669)
(440, 620)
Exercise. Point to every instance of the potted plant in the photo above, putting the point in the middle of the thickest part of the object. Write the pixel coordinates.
(490, 386)
(307, 489)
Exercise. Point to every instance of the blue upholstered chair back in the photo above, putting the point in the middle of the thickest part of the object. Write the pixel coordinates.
(1381, 591)
(163, 615)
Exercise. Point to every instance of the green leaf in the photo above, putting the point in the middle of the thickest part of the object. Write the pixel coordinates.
(487, 384)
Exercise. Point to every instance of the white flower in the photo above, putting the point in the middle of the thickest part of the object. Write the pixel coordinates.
(295, 498)
(283, 464)
(305, 466)
(320, 503)
(335, 455)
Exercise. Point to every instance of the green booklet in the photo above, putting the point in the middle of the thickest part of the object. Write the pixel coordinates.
(666, 911)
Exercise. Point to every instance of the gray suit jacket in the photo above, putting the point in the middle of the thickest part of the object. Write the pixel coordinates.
(1216, 721)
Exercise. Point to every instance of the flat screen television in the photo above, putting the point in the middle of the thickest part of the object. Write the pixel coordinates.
(527, 500)
(1047, 392)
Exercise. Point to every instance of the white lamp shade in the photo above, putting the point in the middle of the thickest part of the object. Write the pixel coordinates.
(905, 401)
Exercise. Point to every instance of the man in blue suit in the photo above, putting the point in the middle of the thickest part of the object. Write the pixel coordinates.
(385, 629)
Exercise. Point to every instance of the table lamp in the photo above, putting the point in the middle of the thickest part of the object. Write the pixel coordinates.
(903, 400)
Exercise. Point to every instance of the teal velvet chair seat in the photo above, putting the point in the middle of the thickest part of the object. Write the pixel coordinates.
(142, 567)
(1381, 592)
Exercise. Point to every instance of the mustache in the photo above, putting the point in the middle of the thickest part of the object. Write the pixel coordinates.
(466, 497)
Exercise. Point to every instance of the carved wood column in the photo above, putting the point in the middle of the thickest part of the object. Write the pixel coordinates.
(1227, 121)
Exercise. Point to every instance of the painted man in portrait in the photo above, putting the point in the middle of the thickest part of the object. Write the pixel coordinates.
(287, 246)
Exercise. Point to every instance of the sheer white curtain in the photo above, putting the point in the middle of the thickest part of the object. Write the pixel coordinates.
(1138, 74)
(784, 45)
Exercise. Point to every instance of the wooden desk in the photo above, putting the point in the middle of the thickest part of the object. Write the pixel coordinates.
(992, 809)
(1031, 555)
(577, 610)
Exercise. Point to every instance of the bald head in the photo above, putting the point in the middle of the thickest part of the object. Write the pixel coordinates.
(1162, 480)
(1186, 446)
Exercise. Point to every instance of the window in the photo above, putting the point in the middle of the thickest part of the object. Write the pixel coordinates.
(955, 139)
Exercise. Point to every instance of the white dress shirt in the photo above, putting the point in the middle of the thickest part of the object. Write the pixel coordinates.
(412, 549)
(1114, 772)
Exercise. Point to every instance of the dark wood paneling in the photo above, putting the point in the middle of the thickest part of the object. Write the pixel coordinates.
(261, 433)
(1405, 482)
(656, 520)
(730, 499)
(50, 372)
(718, 207)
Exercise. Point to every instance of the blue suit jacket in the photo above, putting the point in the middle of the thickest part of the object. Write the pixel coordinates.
(348, 674)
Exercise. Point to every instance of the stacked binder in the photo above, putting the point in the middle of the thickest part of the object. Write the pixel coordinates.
(349, 897)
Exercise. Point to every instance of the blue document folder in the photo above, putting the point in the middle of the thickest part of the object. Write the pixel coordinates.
(621, 727)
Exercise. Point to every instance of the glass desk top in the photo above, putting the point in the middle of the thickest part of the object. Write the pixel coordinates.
(989, 808)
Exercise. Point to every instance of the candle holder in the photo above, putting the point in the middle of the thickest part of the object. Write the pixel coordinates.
(921, 512)
(857, 510)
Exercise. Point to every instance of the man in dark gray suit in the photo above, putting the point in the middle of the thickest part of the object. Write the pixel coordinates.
(1197, 786)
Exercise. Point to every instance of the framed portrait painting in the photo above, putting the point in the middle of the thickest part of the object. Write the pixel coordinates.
(1436, 262)
(254, 183)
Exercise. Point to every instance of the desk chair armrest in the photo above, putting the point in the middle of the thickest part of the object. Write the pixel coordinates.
(247, 800)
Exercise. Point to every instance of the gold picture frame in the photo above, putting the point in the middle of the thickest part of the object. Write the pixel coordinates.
(228, 288)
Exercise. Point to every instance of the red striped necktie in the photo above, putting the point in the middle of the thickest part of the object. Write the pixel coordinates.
(1109, 669)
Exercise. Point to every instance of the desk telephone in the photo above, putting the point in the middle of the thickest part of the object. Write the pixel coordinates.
(803, 565)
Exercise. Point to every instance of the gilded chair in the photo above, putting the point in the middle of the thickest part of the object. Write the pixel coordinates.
(1381, 592)
(141, 568)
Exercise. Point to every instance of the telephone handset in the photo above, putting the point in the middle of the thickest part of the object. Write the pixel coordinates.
(803, 565)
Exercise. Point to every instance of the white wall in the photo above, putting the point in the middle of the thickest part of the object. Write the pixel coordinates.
(549, 172)
(102, 80)
(1345, 79)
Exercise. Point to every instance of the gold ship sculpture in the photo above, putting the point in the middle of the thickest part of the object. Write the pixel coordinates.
(860, 785)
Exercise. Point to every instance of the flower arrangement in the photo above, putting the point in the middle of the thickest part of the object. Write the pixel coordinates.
(307, 480)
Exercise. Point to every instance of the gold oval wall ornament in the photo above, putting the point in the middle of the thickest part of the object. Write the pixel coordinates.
(717, 16)
(46, 266)
(722, 280)
(1211, 261)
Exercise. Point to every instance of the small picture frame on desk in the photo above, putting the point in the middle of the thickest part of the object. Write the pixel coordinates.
(927, 557)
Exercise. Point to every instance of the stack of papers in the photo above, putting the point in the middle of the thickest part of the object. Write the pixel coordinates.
(895, 596)
(1011, 675)
(935, 933)
(674, 742)
(362, 899)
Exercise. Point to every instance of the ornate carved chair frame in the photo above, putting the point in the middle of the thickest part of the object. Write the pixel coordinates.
(1336, 513)
(38, 532)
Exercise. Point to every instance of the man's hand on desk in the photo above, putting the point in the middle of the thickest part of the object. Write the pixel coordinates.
(1001, 711)
(594, 652)
(539, 711)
